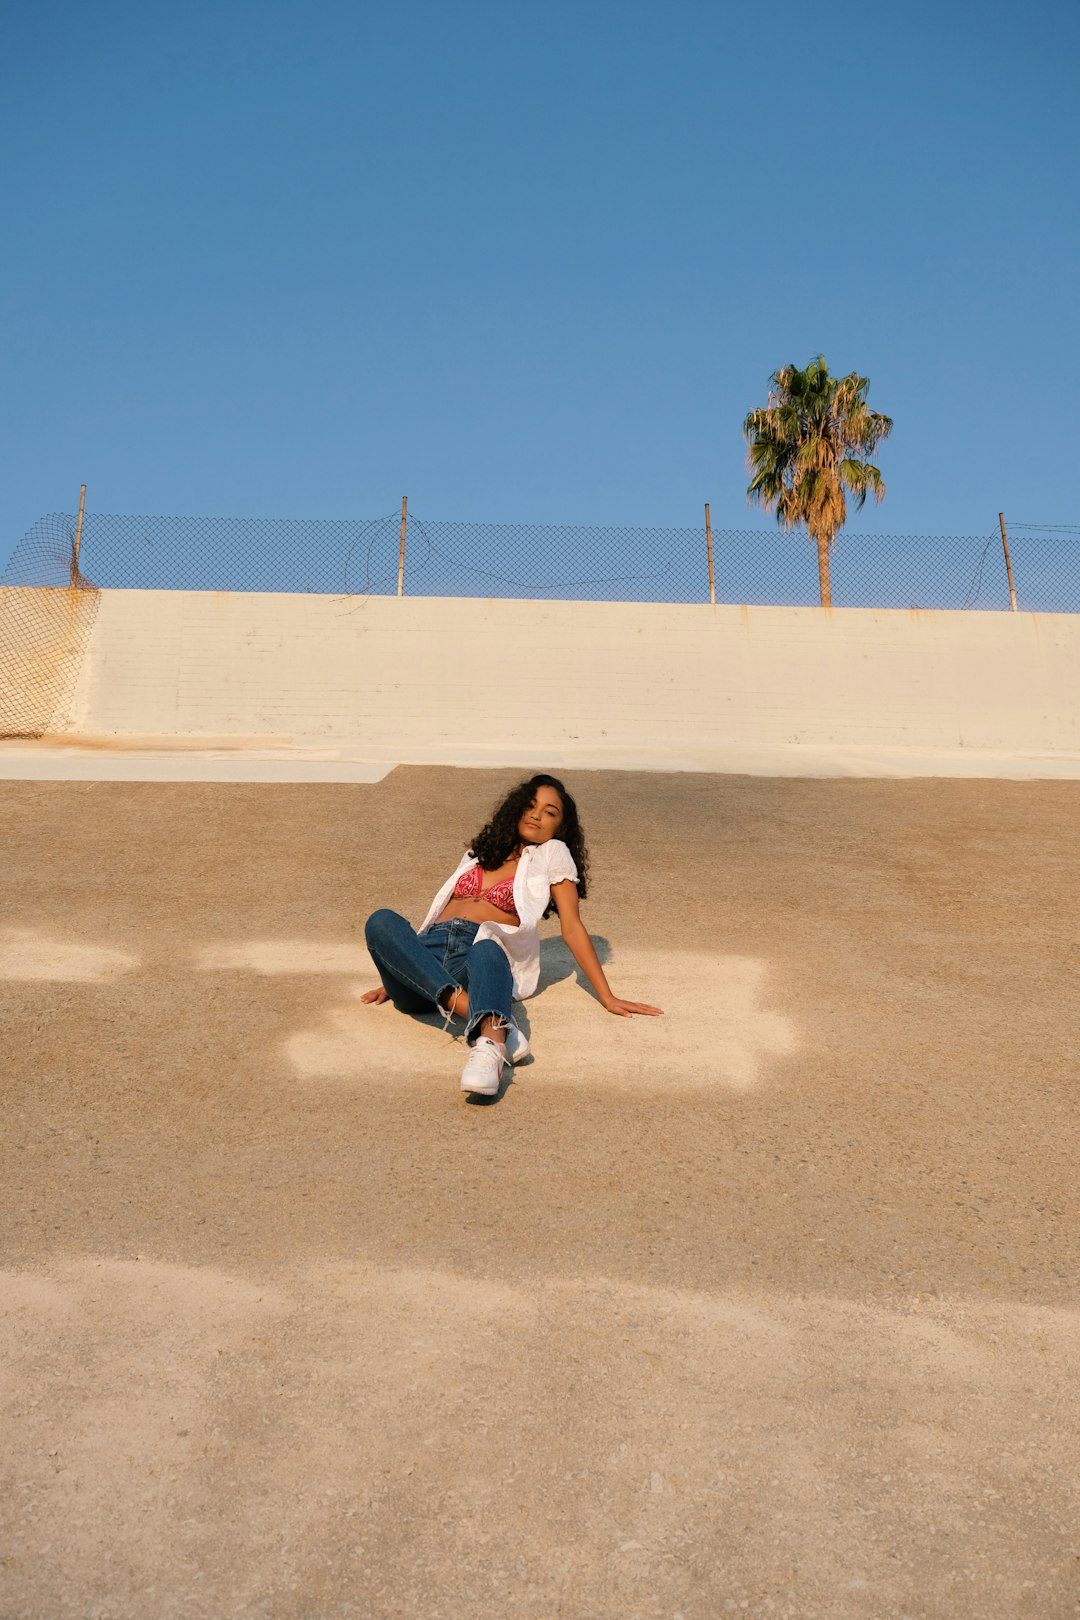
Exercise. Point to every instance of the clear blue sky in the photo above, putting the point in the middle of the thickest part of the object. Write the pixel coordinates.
(532, 262)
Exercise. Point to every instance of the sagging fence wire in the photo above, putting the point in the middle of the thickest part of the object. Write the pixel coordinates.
(47, 611)
(451, 554)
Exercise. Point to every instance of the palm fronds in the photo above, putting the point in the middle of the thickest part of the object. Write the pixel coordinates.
(808, 445)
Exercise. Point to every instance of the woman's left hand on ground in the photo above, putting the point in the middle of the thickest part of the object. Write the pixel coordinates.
(627, 1009)
(375, 998)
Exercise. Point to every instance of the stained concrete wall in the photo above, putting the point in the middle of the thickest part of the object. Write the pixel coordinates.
(420, 675)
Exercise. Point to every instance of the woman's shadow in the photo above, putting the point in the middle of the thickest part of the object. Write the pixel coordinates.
(556, 964)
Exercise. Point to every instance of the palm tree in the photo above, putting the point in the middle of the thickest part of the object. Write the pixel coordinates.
(806, 449)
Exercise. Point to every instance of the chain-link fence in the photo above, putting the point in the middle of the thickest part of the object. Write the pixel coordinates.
(43, 632)
(759, 567)
(54, 578)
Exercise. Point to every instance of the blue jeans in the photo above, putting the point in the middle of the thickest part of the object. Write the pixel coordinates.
(417, 969)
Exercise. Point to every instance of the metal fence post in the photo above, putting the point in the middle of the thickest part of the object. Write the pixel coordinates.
(78, 539)
(708, 542)
(1008, 564)
(401, 550)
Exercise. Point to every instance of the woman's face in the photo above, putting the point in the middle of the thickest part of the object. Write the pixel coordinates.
(543, 817)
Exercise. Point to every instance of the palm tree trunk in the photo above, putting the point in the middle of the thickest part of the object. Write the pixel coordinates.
(823, 570)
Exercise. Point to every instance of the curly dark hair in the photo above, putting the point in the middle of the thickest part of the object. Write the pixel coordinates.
(498, 838)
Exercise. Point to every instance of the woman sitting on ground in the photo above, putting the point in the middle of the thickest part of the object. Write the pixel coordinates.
(478, 948)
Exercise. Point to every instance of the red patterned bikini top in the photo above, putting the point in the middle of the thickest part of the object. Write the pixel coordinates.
(470, 883)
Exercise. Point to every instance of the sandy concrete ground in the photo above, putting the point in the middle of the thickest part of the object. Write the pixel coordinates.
(765, 1308)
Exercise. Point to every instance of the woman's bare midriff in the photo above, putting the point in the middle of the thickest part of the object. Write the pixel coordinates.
(477, 911)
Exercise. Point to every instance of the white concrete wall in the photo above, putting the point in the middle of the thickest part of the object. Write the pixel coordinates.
(419, 677)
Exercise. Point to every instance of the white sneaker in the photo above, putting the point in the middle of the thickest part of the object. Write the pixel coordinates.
(517, 1045)
(483, 1068)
